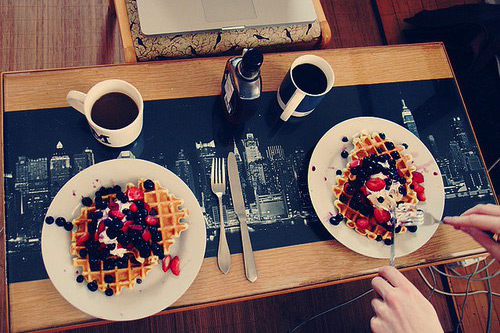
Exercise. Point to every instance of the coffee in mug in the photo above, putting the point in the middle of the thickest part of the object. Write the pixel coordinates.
(113, 109)
(305, 84)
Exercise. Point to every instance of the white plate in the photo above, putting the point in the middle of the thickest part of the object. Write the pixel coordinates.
(158, 289)
(326, 160)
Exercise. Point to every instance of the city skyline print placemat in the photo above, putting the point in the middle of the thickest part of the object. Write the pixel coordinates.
(45, 148)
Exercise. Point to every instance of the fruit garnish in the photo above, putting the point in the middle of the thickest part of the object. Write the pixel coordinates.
(418, 177)
(381, 215)
(133, 207)
(175, 265)
(375, 184)
(421, 196)
(355, 163)
(83, 239)
(146, 235)
(165, 264)
(151, 220)
(134, 193)
(361, 223)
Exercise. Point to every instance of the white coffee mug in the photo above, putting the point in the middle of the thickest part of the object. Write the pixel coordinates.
(109, 137)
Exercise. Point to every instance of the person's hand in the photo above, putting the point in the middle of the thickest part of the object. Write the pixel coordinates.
(475, 221)
(402, 307)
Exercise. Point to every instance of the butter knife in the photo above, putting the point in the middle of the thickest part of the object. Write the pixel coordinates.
(239, 208)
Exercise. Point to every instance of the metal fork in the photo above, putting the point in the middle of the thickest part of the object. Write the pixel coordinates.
(218, 183)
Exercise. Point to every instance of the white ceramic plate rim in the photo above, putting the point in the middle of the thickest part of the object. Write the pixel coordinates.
(158, 290)
(326, 160)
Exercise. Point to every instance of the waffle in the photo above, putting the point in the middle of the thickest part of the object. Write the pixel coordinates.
(365, 145)
(169, 213)
(170, 226)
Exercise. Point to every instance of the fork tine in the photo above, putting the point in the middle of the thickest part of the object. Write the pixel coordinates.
(212, 176)
(217, 171)
(223, 173)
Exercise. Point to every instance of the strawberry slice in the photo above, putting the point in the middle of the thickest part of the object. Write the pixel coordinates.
(361, 223)
(146, 235)
(381, 215)
(118, 214)
(101, 227)
(421, 195)
(375, 184)
(175, 265)
(135, 226)
(418, 188)
(165, 264)
(135, 193)
(151, 220)
(418, 177)
(373, 220)
(147, 206)
(126, 225)
(364, 190)
(96, 237)
(355, 163)
(133, 207)
(83, 238)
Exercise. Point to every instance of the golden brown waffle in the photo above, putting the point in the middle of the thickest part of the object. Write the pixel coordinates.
(365, 145)
(169, 213)
(169, 216)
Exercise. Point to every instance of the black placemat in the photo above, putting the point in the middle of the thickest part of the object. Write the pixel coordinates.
(45, 148)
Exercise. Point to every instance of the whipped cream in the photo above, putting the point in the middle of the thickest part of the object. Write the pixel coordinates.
(103, 236)
(391, 196)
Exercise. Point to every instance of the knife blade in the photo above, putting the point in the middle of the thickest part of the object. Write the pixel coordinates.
(239, 208)
(393, 244)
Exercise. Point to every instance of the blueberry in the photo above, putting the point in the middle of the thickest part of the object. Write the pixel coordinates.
(92, 227)
(49, 220)
(95, 264)
(338, 172)
(126, 211)
(382, 135)
(60, 221)
(86, 201)
(366, 210)
(103, 253)
(139, 203)
(122, 262)
(139, 281)
(380, 199)
(349, 189)
(153, 212)
(161, 255)
(379, 238)
(109, 264)
(343, 198)
(98, 194)
(111, 247)
(156, 236)
(392, 163)
(344, 154)
(117, 189)
(402, 190)
(68, 226)
(389, 145)
(117, 223)
(156, 248)
(92, 286)
(388, 241)
(149, 185)
(143, 212)
(411, 186)
(395, 155)
(109, 190)
(108, 292)
(101, 203)
(405, 145)
(122, 197)
(108, 222)
(80, 278)
(111, 233)
(412, 228)
(380, 150)
(345, 139)
(98, 214)
(398, 229)
(83, 253)
(355, 170)
(123, 239)
(109, 279)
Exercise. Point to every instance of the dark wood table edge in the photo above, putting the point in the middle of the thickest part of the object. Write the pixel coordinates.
(4, 288)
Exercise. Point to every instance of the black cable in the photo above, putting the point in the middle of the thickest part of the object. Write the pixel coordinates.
(331, 309)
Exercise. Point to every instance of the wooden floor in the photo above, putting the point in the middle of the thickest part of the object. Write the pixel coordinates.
(38, 34)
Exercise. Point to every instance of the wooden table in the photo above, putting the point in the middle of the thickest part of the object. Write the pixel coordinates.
(37, 305)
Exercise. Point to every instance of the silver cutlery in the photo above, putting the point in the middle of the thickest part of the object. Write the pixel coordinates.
(218, 184)
(393, 244)
(239, 208)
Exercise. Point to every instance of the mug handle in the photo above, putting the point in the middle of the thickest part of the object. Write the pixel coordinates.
(292, 104)
(76, 99)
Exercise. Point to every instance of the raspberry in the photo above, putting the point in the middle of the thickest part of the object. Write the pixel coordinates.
(113, 206)
(355, 163)
(151, 220)
(134, 193)
(361, 223)
(146, 235)
(165, 264)
(375, 184)
(133, 207)
(175, 265)
(126, 225)
(421, 195)
(101, 227)
(418, 188)
(418, 177)
(118, 214)
(364, 190)
(373, 220)
(381, 215)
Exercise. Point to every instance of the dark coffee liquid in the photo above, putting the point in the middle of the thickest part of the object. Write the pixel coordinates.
(114, 111)
(309, 79)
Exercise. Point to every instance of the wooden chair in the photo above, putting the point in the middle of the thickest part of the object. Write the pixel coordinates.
(139, 47)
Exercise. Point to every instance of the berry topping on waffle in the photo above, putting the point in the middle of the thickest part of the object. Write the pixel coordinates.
(378, 179)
